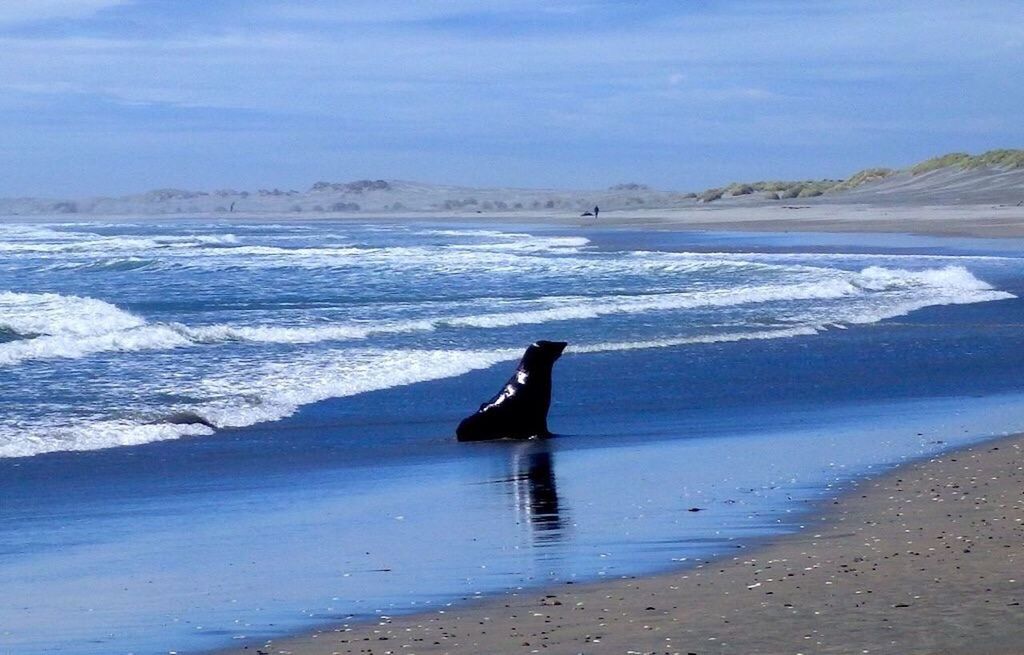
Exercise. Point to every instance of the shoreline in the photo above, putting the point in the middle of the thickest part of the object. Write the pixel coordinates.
(977, 221)
(922, 558)
(310, 578)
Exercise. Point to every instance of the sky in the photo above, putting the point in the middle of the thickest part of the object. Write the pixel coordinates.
(107, 97)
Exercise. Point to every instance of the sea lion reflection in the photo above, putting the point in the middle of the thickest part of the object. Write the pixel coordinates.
(536, 493)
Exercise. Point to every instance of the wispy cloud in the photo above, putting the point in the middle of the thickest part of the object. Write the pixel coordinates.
(516, 91)
(35, 11)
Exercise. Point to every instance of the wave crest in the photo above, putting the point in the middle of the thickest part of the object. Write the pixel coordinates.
(55, 326)
(33, 314)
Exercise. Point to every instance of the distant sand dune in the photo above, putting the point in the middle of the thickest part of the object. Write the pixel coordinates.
(995, 177)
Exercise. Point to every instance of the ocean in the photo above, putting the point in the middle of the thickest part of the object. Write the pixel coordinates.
(742, 375)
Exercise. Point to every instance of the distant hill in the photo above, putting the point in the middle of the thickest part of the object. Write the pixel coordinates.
(361, 196)
(994, 177)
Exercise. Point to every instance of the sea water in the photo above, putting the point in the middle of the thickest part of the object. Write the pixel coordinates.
(738, 375)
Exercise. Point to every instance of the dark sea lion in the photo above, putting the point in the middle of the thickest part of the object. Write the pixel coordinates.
(520, 410)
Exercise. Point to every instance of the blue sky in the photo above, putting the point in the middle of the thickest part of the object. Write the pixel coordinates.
(118, 96)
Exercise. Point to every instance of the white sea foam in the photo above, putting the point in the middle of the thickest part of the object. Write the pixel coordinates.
(94, 245)
(950, 279)
(102, 264)
(200, 239)
(533, 244)
(727, 337)
(74, 327)
(476, 234)
(266, 392)
(276, 390)
(831, 257)
(301, 334)
(750, 297)
(254, 393)
(27, 440)
(55, 326)
(25, 232)
(32, 314)
(45, 241)
(559, 308)
(578, 308)
(150, 337)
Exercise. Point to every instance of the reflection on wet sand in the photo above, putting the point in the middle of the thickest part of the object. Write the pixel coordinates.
(535, 492)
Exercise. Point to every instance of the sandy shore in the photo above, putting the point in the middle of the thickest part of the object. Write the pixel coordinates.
(925, 559)
(938, 220)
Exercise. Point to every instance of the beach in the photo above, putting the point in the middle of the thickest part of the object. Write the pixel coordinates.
(748, 375)
(587, 328)
(1003, 218)
(924, 559)
(988, 220)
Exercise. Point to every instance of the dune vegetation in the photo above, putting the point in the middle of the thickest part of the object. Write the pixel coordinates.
(1005, 159)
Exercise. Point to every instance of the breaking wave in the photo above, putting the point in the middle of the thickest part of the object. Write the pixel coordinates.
(56, 326)
(258, 392)
(31, 314)
(341, 316)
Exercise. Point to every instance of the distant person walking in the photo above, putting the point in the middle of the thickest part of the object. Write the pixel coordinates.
(596, 210)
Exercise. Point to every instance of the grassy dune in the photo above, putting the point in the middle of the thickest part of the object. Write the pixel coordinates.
(1003, 159)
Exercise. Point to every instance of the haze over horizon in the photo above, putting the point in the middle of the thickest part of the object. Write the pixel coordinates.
(119, 96)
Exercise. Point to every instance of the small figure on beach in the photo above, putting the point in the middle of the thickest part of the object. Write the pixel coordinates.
(597, 210)
(520, 410)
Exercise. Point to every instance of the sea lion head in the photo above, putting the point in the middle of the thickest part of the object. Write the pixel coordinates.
(543, 353)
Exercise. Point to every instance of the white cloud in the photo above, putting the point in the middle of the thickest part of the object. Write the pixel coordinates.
(24, 11)
(724, 59)
(397, 11)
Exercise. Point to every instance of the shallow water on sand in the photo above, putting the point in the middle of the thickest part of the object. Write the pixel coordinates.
(735, 374)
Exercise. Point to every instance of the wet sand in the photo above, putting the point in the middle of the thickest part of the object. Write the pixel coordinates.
(928, 558)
